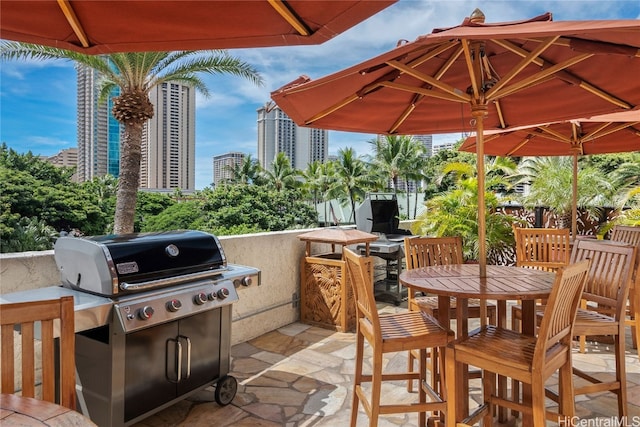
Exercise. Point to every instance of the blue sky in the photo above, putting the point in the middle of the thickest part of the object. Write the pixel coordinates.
(38, 99)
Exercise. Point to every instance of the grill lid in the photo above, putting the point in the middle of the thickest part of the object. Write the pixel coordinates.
(101, 264)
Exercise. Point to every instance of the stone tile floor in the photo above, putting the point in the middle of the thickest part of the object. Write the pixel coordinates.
(301, 375)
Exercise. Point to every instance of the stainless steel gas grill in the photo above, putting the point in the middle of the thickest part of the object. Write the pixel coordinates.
(379, 214)
(169, 334)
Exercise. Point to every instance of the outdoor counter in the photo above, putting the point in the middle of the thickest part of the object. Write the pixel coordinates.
(90, 311)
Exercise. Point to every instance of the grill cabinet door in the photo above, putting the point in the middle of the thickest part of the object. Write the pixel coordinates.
(146, 385)
(203, 330)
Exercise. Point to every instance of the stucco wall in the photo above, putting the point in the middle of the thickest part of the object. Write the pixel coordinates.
(261, 308)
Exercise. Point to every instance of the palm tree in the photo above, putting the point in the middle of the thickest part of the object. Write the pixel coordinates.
(248, 171)
(352, 178)
(390, 156)
(313, 178)
(413, 168)
(550, 185)
(281, 175)
(455, 212)
(135, 74)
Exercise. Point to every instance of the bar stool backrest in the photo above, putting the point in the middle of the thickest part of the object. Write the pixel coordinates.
(562, 306)
(358, 268)
(630, 235)
(609, 276)
(542, 248)
(56, 319)
(428, 251)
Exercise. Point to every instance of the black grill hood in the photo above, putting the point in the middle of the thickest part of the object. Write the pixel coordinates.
(101, 264)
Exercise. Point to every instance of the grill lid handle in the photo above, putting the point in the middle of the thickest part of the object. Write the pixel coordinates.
(169, 281)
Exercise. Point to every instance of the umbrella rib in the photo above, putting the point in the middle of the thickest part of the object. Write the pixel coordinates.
(423, 91)
(435, 52)
(498, 106)
(607, 129)
(494, 92)
(420, 96)
(333, 108)
(74, 22)
(527, 139)
(456, 93)
(558, 136)
(581, 83)
(470, 68)
(604, 95)
(402, 117)
(290, 16)
(542, 75)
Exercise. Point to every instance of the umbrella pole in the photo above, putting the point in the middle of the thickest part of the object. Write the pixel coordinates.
(478, 112)
(574, 204)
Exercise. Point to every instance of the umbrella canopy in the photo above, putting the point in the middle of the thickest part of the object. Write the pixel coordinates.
(609, 133)
(475, 75)
(109, 26)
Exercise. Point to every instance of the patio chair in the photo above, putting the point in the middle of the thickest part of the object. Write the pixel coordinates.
(631, 236)
(388, 334)
(522, 357)
(540, 248)
(26, 315)
(604, 307)
(429, 251)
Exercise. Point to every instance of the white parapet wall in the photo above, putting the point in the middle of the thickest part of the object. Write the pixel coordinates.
(261, 309)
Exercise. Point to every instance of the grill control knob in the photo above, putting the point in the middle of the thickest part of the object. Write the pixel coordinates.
(174, 305)
(146, 312)
(200, 298)
(212, 296)
(223, 293)
(245, 281)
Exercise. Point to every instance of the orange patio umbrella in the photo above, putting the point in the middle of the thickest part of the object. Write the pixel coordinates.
(476, 76)
(609, 133)
(110, 26)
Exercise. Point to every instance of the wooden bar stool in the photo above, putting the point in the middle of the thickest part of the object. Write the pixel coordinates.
(429, 251)
(543, 249)
(604, 306)
(387, 334)
(525, 358)
(631, 236)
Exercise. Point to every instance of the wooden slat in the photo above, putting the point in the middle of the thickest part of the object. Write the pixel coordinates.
(47, 313)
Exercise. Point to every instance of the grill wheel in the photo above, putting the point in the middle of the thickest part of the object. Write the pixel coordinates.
(226, 389)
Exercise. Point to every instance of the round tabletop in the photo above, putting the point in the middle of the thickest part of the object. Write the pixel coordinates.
(25, 411)
(464, 281)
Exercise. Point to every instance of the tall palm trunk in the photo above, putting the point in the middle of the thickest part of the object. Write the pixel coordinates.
(132, 108)
(129, 179)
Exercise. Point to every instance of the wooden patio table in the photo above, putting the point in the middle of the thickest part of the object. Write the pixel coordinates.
(27, 412)
(463, 281)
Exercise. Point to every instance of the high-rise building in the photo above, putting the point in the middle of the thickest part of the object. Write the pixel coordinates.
(98, 131)
(168, 140)
(443, 146)
(65, 158)
(278, 133)
(222, 163)
(427, 141)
